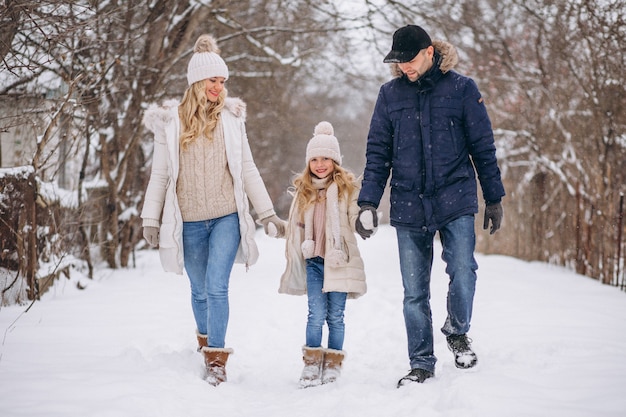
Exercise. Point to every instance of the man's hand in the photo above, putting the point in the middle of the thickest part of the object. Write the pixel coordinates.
(494, 213)
(273, 226)
(367, 221)
(151, 234)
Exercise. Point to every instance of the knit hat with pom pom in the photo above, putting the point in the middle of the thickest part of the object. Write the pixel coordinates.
(206, 62)
(323, 143)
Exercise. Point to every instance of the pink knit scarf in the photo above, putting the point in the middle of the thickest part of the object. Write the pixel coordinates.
(335, 257)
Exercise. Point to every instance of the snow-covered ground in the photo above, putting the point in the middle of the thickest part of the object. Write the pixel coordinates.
(549, 343)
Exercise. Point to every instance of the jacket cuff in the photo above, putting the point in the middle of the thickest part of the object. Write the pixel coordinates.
(150, 223)
(266, 214)
(491, 202)
(367, 203)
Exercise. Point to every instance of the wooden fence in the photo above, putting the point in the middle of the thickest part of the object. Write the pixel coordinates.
(29, 236)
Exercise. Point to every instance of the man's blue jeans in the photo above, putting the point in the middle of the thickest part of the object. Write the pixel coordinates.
(416, 258)
(210, 247)
(323, 307)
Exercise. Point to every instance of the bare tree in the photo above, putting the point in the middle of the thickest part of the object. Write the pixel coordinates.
(108, 60)
(552, 75)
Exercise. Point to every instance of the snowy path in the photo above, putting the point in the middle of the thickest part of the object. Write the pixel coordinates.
(549, 342)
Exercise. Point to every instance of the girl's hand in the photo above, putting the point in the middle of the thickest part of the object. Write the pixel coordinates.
(273, 226)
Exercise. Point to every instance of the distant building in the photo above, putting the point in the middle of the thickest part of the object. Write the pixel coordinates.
(23, 122)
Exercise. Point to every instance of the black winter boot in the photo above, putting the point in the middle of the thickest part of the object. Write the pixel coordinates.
(464, 356)
(416, 375)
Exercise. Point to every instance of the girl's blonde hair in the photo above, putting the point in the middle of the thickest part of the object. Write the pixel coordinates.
(198, 115)
(306, 193)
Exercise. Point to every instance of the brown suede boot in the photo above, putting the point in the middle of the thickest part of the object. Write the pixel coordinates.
(215, 361)
(202, 341)
(312, 372)
(332, 365)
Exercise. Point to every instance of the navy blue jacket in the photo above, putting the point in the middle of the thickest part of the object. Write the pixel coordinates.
(431, 136)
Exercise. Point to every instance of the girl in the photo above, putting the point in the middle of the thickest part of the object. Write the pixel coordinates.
(196, 204)
(323, 259)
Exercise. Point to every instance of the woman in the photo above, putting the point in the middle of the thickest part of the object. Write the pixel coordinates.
(196, 203)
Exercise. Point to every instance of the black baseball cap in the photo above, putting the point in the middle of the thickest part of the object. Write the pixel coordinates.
(407, 42)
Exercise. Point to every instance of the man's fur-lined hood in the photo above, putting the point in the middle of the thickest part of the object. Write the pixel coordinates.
(449, 58)
(158, 116)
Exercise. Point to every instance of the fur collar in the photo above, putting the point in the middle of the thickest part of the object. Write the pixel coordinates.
(158, 116)
(449, 58)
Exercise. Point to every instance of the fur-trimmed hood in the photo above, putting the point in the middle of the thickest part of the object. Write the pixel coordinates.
(449, 58)
(158, 116)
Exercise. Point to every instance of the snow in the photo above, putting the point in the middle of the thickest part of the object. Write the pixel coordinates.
(50, 192)
(549, 342)
(21, 171)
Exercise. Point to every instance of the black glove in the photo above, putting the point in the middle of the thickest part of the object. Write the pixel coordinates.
(494, 213)
(366, 222)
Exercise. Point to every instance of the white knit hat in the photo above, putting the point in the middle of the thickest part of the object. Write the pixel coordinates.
(205, 61)
(323, 143)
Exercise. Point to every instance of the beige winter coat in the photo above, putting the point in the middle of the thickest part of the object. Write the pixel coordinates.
(349, 278)
(161, 203)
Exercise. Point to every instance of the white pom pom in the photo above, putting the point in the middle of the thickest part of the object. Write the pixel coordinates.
(324, 128)
(206, 43)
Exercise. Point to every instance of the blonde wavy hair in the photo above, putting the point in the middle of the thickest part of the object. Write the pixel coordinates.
(198, 115)
(306, 193)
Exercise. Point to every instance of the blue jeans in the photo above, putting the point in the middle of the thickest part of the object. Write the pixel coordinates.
(416, 258)
(323, 307)
(210, 247)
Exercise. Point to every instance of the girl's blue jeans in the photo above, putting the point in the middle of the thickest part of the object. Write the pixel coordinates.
(324, 307)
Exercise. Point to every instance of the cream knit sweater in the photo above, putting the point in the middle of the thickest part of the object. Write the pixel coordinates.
(205, 186)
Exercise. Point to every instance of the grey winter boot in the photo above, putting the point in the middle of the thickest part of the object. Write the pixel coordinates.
(313, 361)
(332, 365)
(215, 362)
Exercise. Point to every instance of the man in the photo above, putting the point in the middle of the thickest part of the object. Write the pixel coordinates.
(430, 131)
